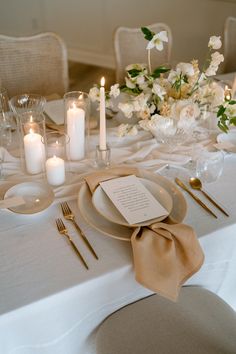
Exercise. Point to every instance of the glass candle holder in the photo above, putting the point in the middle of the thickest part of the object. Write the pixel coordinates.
(56, 165)
(6, 119)
(31, 128)
(77, 111)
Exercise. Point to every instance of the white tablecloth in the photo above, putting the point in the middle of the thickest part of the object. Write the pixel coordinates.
(49, 303)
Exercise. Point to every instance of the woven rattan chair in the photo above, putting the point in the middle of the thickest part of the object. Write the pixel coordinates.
(35, 64)
(199, 323)
(130, 47)
(230, 45)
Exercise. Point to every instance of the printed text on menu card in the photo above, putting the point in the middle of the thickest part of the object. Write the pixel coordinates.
(132, 199)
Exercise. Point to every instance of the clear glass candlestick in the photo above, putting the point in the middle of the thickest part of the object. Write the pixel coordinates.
(77, 112)
(103, 157)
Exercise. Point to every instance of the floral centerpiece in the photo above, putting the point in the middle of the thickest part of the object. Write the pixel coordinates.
(169, 101)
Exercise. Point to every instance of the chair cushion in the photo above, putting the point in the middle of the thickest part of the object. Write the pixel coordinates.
(199, 323)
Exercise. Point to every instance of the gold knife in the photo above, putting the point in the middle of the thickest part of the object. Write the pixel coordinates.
(182, 185)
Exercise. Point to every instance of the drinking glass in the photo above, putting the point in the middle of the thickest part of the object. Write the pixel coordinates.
(27, 102)
(209, 166)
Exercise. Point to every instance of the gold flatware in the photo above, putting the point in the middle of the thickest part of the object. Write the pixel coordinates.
(63, 230)
(68, 215)
(182, 185)
(195, 183)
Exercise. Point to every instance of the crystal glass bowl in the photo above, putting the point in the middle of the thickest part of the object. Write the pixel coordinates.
(27, 102)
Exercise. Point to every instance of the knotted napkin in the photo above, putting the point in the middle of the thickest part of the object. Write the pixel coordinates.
(165, 255)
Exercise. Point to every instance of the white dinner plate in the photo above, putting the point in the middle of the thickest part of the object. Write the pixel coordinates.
(37, 196)
(120, 232)
(107, 209)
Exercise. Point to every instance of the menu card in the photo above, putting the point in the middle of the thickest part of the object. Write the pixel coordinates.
(132, 199)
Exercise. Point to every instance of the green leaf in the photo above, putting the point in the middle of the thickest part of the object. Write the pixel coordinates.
(232, 102)
(232, 120)
(224, 128)
(134, 72)
(147, 33)
(221, 111)
(185, 78)
(160, 70)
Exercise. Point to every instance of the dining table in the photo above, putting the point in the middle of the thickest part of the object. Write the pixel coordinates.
(49, 302)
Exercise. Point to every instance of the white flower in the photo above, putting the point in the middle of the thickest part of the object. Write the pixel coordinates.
(173, 76)
(132, 131)
(139, 67)
(127, 129)
(158, 90)
(129, 83)
(215, 42)
(140, 102)
(157, 41)
(211, 70)
(115, 90)
(140, 79)
(216, 58)
(94, 94)
(145, 113)
(185, 109)
(185, 69)
(127, 108)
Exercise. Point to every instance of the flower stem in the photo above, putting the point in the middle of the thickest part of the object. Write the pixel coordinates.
(149, 62)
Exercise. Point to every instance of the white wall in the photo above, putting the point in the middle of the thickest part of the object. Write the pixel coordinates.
(87, 26)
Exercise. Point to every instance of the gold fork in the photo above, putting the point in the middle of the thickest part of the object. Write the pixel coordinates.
(68, 215)
(63, 230)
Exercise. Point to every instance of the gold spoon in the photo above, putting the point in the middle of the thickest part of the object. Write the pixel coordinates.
(195, 183)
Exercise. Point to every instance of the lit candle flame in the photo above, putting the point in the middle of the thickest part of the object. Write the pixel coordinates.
(31, 119)
(103, 81)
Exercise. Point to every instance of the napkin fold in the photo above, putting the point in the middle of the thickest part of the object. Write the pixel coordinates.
(165, 255)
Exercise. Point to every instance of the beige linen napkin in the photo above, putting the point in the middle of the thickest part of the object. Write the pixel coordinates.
(165, 255)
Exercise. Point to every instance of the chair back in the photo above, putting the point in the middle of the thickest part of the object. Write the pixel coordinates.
(35, 64)
(130, 47)
(230, 45)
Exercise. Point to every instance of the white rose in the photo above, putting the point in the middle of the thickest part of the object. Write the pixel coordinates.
(184, 108)
(214, 42)
(185, 69)
(115, 90)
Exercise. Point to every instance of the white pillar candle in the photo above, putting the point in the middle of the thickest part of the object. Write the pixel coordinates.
(34, 152)
(76, 132)
(102, 135)
(55, 171)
